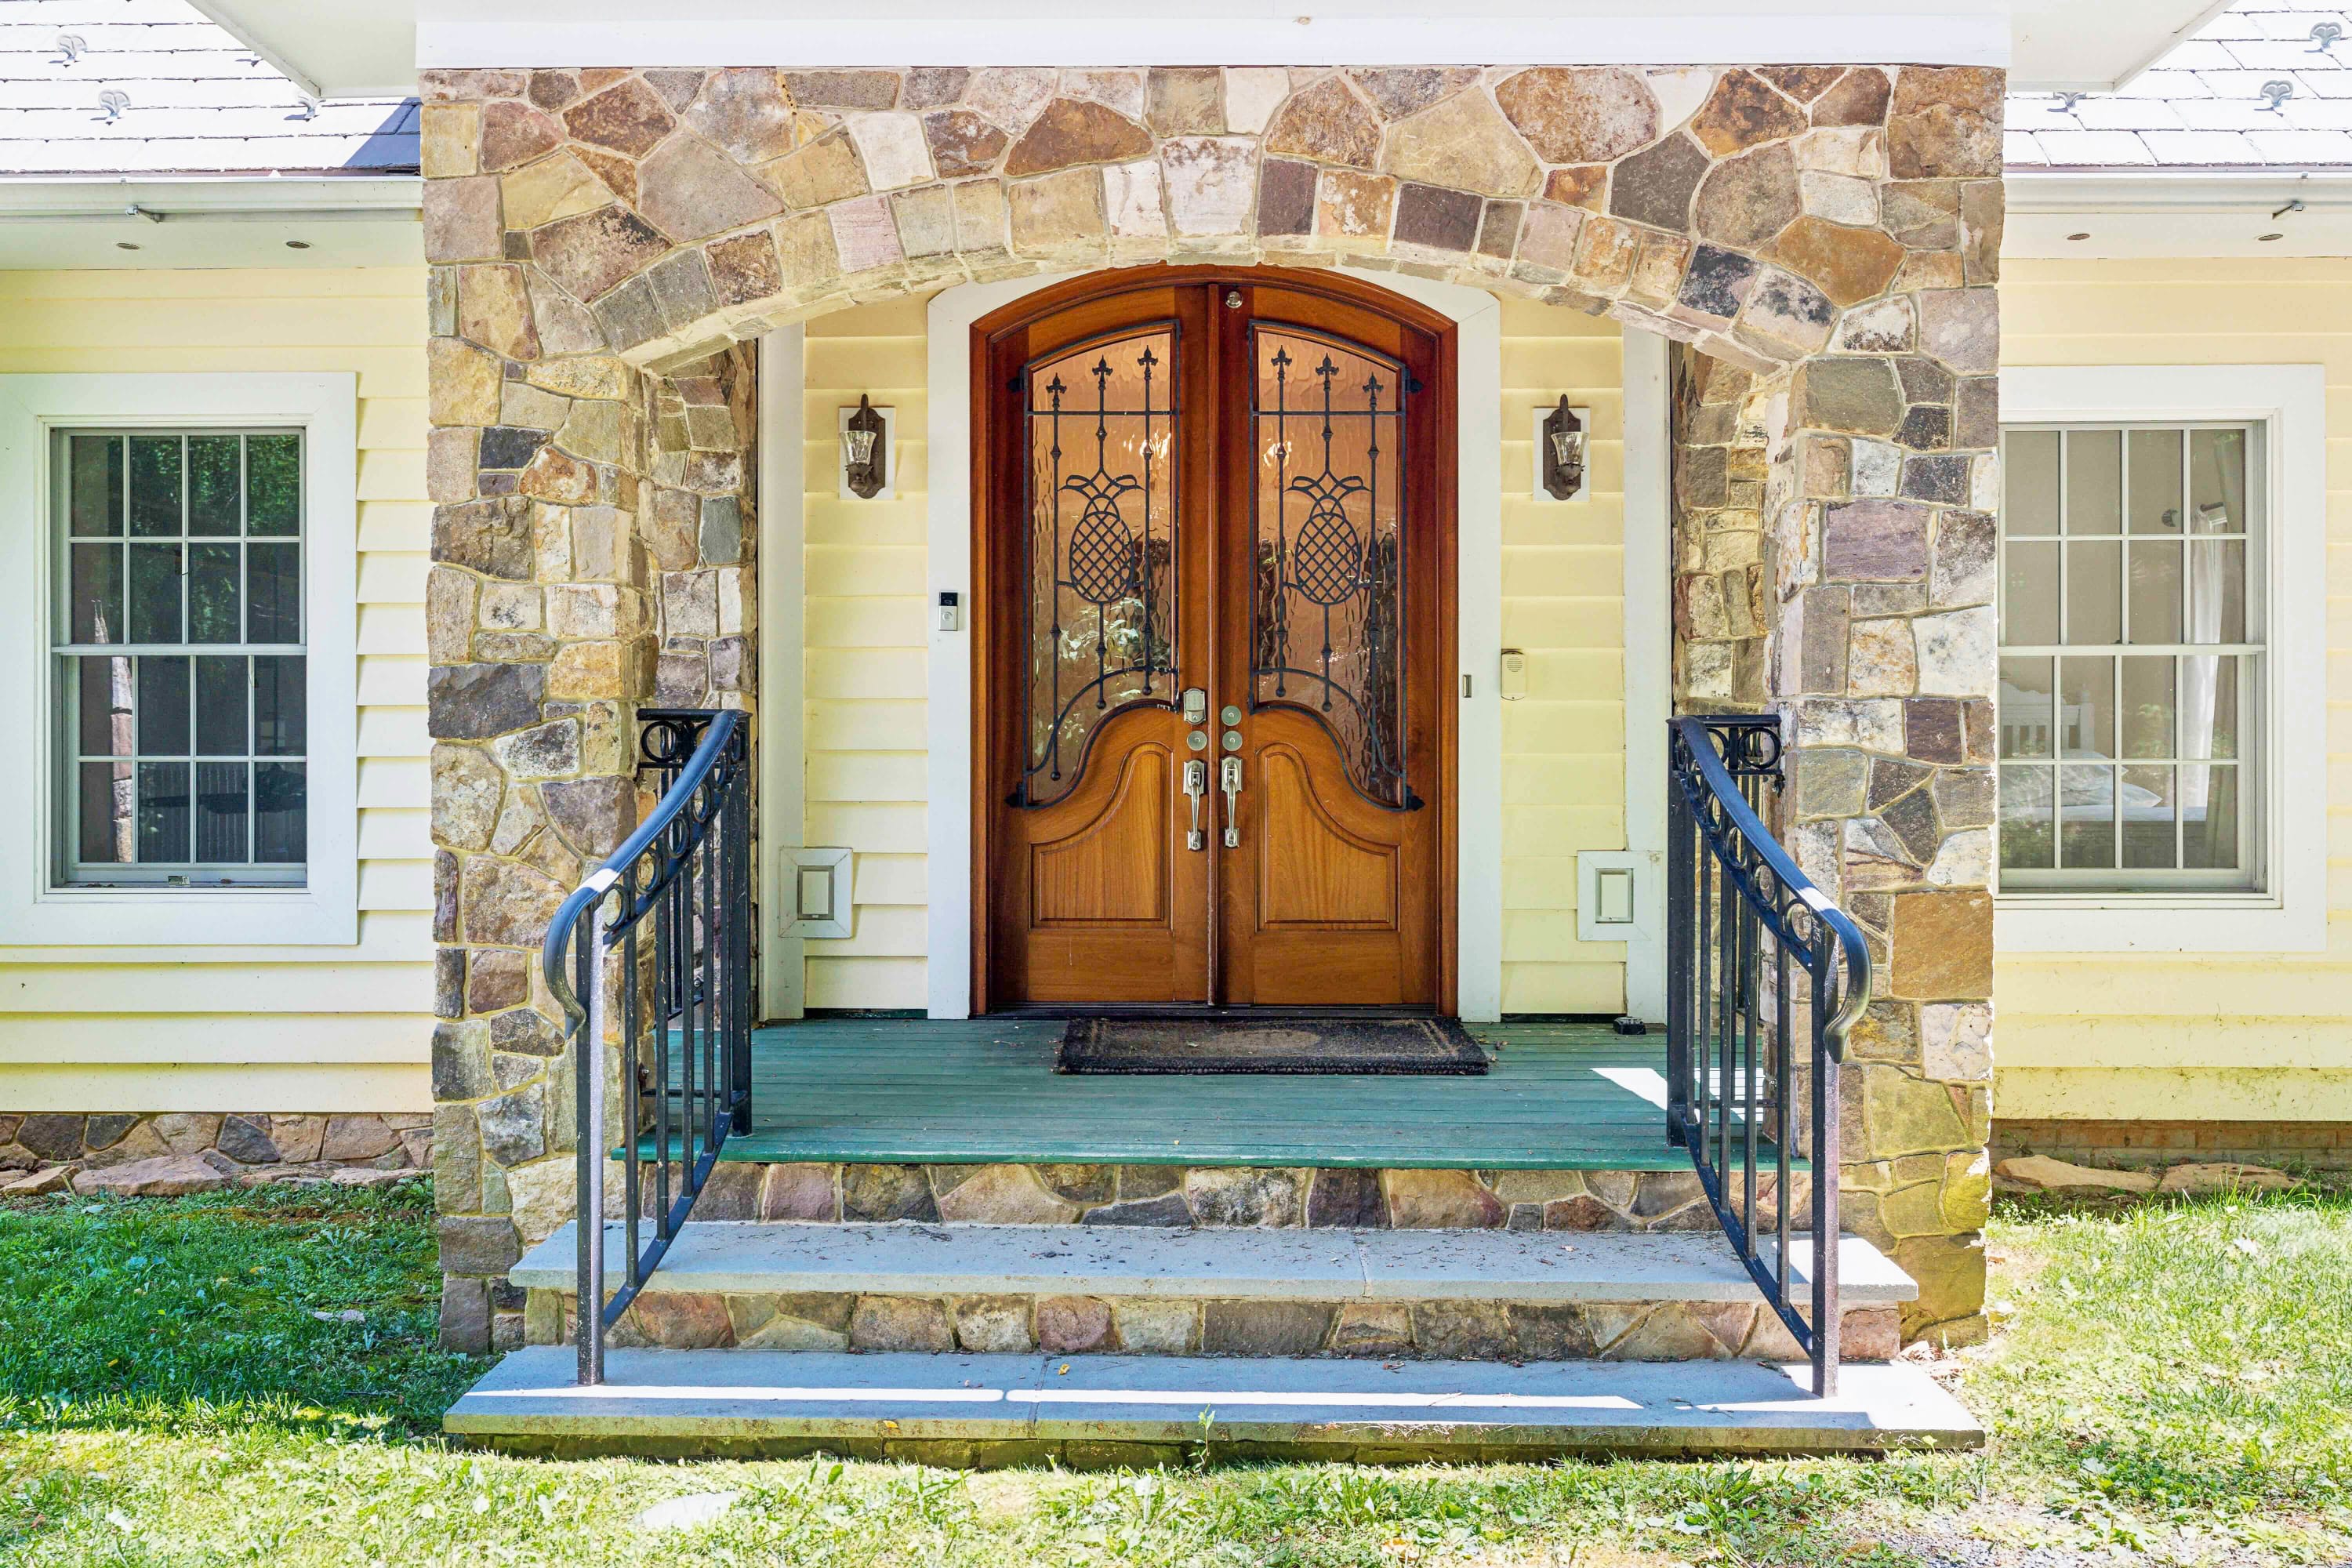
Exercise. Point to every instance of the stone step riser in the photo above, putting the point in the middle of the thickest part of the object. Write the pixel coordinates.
(986, 1324)
(1210, 1195)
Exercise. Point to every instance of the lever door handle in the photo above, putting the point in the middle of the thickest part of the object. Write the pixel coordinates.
(1229, 779)
(1196, 784)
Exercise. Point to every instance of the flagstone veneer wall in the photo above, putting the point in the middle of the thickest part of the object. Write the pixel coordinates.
(603, 238)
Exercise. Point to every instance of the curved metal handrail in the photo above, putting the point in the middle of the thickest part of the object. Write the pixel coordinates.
(615, 866)
(1854, 988)
(682, 884)
(1743, 922)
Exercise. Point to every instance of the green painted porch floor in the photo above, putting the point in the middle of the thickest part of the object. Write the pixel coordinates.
(917, 1091)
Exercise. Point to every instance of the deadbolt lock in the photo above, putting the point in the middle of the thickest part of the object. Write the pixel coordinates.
(1231, 715)
(1196, 705)
(1232, 740)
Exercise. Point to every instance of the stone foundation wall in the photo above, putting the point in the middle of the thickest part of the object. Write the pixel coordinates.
(96, 1139)
(1082, 1325)
(2313, 1145)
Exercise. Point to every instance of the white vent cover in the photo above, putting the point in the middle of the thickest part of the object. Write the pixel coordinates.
(818, 889)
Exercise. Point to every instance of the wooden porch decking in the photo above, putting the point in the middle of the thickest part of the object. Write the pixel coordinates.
(918, 1092)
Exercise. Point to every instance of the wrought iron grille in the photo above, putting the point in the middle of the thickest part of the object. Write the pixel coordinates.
(669, 978)
(1102, 577)
(1764, 978)
(1327, 609)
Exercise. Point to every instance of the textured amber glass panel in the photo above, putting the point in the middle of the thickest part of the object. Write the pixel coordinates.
(1102, 444)
(1327, 617)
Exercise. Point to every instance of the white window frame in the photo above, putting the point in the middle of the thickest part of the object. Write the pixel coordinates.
(34, 911)
(2289, 914)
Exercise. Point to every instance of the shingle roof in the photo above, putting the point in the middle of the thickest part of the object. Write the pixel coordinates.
(2209, 104)
(193, 99)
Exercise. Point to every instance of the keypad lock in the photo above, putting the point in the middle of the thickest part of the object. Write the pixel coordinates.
(1196, 705)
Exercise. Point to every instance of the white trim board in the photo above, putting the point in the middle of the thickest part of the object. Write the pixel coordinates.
(2290, 916)
(325, 911)
(778, 743)
(1648, 546)
(1478, 345)
(459, 34)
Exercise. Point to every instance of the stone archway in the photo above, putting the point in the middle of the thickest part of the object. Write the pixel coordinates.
(1825, 239)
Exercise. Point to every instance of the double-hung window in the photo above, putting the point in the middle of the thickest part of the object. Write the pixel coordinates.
(180, 586)
(2132, 653)
(178, 658)
(2161, 700)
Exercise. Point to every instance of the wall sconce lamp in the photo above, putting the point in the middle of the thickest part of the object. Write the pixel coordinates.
(1560, 449)
(864, 450)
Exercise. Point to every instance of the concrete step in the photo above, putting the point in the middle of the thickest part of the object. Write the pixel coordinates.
(1063, 1290)
(1097, 1411)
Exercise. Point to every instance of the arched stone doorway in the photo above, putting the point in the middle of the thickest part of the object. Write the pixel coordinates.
(1825, 239)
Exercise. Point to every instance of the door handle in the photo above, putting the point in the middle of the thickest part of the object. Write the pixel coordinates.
(1229, 779)
(1196, 784)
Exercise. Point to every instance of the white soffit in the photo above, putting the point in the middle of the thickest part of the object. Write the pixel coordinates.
(343, 48)
(2087, 217)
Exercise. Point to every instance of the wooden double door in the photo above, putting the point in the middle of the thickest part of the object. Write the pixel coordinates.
(1214, 634)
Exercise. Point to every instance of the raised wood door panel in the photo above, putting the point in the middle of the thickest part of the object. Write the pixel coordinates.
(1333, 521)
(1093, 520)
(1301, 575)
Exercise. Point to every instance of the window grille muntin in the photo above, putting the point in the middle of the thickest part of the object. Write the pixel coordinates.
(260, 532)
(2031, 771)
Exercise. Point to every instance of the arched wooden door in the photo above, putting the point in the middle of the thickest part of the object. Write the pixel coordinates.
(1214, 632)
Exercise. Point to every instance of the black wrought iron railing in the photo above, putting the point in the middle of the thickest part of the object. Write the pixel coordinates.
(1764, 977)
(651, 960)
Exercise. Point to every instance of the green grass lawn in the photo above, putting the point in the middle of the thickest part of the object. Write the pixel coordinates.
(251, 1378)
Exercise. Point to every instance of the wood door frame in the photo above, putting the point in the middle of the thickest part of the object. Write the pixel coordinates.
(985, 584)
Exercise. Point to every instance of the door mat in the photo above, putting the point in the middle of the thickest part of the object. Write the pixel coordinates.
(1276, 1045)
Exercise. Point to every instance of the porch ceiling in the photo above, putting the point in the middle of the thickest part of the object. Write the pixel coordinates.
(345, 51)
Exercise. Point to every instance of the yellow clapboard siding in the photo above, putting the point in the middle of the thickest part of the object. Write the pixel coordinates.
(394, 732)
(2226, 1036)
(865, 623)
(283, 1028)
(1564, 988)
(882, 830)
(864, 982)
(881, 931)
(403, 936)
(867, 776)
(393, 782)
(889, 674)
(891, 878)
(394, 577)
(864, 571)
(881, 725)
(163, 1084)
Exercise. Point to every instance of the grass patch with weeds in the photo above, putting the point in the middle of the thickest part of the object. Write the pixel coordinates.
(180, 1384)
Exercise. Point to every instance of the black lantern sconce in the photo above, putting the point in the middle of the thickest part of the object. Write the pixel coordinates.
(865, 451)
(1561, 452)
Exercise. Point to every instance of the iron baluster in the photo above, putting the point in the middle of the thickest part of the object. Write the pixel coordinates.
(695, 999)
(1731, 889)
